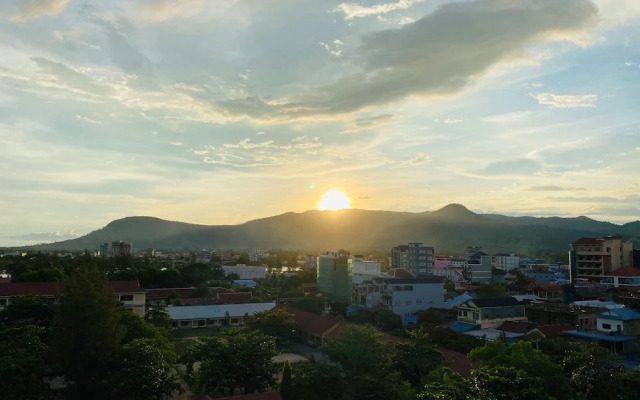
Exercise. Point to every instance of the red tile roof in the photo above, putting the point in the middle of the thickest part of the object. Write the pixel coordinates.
(55, 288)
(588, 241)
(234, 298)
(545, 286)
(516, 326)
(554, 330)
(400, 273)
(312, 323)
(458, 362)
(626, 271)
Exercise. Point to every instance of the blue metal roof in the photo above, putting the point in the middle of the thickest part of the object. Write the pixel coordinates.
(623, 314)
(600, 336)
(217, 311)
(463, 326)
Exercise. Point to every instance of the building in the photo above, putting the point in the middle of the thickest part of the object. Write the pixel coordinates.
(121, 249)
(215, 315)
(506, 262)
(365, 270)
(129, 293)
(546, 291)
(478, 268)
(245, 271)
(624, 277)
(335, 276)
(103, 249)
(581, 318)
(490, 313)
(414, 257)
(590, 259)
(615, 328)
(203, 257)
(441, 262)
(403, 297)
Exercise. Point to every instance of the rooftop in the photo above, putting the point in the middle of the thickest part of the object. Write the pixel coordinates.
(217, 311)
(626, 271)
(623, 314)
(55, 288)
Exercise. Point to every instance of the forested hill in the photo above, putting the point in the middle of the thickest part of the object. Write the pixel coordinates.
(448, 229)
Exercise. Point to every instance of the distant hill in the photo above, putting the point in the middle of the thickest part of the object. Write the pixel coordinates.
(449, 229)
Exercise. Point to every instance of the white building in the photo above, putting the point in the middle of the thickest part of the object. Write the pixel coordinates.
(245, 271)
(479, 269)
(401, 296)
(506, 262)
(365, 270)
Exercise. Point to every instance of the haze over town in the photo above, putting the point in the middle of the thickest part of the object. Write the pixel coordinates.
(219, 112)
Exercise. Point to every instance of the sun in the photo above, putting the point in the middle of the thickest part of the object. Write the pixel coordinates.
(334, 200)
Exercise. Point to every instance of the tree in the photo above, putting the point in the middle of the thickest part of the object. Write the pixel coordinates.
(508, 383)
(31, 309)
(87, 331)
(317, 381)
(144, 372)
(285, 384)
(415, 360)
(491, 290)
(445, 384)
(137, 328)
(240, 359)
(22, 363)
(276, 322)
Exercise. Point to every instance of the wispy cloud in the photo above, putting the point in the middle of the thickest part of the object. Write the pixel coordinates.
(566, 100)
(354, 10)
(31, 9)
(420, 158)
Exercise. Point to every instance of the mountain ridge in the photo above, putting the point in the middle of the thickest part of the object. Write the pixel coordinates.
(448, 229)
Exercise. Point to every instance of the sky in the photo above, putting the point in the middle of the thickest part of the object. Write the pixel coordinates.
(224, 111)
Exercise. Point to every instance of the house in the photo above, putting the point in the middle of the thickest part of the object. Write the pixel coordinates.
(579, 317)
(403, 297)
(129, 293)
(617, 328)
(546, 291)
(490, 313)
(552, 330)
(214, 315)
(315, 329)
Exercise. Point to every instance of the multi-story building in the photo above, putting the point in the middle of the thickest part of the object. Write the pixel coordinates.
(441, 262)
(478, 268)
(103, 249)
(506, 262)
(364, 270)
(414, 257)
(590, 259)
(203, 256)
(121, 249)
(335, 275)
(401, 296)
(623, 277)
(245, 271)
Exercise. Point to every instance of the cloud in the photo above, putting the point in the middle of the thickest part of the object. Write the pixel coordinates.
(520, 166)
(366, 123)
(43, 237)
(163, 10)
(507, 117)
(31, 9)
(248, 144)
(554, 188)
(566, 100)
(353, 10)
(178, 144)
(440, 54)
(420, 158)
(453, 121)
(85, 119)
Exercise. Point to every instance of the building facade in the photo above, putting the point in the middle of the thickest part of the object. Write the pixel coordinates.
(414, 257)
(365, 270)
(590, 259)
(506, 262)
(335, 275)
(245, 271)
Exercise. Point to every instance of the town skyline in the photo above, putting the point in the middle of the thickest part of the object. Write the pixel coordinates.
(229, 111)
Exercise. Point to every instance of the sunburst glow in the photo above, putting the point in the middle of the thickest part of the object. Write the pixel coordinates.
(334, 200)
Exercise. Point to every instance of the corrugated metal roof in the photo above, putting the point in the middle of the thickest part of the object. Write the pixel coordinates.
(217, 311)
(624, 314)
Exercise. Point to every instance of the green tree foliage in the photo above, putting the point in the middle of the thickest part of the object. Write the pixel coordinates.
(143, 372)
(416, 359)
(451, 340)
(87, 332)
(35, 310)
(22, 363)
(240, 359)
(317, 381)
(158, 315)
(285, 384)
(508, 383)
(276, 322)
(491, 290)
(523, 357)
(388, 321)
(137, 328)
(445, 384)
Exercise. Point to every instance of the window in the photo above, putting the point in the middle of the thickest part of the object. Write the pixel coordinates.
(184, 323)
(126, 297)
(201, 322)
(606, 326)
(3, 302)
(408, 302)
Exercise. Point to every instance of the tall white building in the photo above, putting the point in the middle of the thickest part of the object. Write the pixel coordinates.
(245, 271)
(365, 270)
(506, 262)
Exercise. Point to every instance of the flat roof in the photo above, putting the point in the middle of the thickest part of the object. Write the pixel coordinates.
(217, 311)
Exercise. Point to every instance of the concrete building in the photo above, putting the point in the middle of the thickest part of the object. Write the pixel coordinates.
(221, 315)
(491, 313)
(203, 257)
(121, 249)
(441, 262)
(335, 276)
(623, 277)
(245, 271)
(478, 268)
(590, 259)
(103, 249)
(506, 262)
(414, 257)
(403, 297)
(365, 270)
